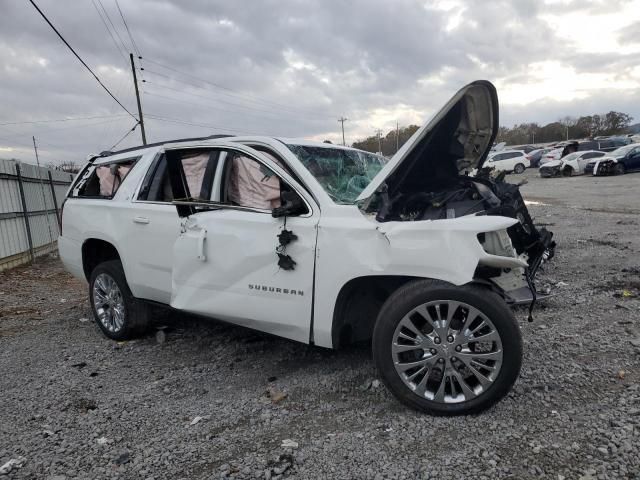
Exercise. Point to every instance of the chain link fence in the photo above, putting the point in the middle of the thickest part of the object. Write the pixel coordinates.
(30, 201)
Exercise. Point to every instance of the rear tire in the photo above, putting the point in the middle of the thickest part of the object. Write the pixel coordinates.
(460, 367)
(117, 312)
(619, 169)
(519, 168)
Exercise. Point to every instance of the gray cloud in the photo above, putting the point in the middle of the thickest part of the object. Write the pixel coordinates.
(293, 67)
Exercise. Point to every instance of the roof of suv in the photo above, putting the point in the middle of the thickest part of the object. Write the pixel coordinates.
(296, 141)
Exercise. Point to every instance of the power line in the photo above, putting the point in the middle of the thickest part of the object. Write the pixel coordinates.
(218, 100)
(194, 124)
(234, 93)
(129, 132)
(124, 45)
(80, 59)
(133, 42)
(48, 130)
(123, 53)
(61, 120)
(209, 106)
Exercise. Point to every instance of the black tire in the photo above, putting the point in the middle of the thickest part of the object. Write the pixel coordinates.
(619, 169)
(519, 168)
(420, 292)
(136, 313)
(567, 172)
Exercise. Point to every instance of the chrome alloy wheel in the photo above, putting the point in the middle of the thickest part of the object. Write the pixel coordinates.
(108, 302)
(447, 351)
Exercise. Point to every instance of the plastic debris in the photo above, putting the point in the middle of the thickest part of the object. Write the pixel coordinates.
(11, 465)
(196, 420)
(276, 395)
(288, 443)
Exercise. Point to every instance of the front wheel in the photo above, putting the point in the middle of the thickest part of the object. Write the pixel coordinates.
(447, 350)
(117, 312)
(567, 172)
(519, 168)
(619, 169)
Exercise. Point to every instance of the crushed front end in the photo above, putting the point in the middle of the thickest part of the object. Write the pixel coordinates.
(481, 195)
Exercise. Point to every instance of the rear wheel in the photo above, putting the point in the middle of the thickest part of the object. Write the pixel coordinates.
(567, 172)
(117, 312)
(447, 350)
(519, 168)
(619, 169)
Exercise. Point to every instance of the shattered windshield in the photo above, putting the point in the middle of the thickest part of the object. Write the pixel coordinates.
(342, 173)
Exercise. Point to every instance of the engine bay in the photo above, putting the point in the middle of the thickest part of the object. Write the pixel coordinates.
(466, 195)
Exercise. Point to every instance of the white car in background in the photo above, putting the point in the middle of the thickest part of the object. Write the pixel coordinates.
(508, 160)
(572, 164)
(551, 155)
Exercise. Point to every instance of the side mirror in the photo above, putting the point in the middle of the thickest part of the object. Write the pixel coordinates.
(291, 205)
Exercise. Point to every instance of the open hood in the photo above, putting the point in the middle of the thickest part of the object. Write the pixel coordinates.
(456, 140)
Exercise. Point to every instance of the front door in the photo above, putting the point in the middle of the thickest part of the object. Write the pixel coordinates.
(229, 261)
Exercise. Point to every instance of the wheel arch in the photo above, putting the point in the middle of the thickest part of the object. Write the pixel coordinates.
(357, 306)
(96, 251)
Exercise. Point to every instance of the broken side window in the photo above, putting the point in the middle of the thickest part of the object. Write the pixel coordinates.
(199, 168)
(103, 181)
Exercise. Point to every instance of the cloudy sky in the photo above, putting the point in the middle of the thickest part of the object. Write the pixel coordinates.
(293, 67)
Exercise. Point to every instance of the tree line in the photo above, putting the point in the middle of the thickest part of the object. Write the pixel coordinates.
(568, 127)
(587, 126)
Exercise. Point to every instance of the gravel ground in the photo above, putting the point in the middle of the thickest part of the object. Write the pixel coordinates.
(205, 400)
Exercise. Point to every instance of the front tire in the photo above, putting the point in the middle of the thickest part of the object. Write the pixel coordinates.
(117, 312)
(519, 168)
(567, 172)
(619, 169)
(447, 350)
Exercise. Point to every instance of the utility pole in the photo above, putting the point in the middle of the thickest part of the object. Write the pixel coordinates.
(397, 137)
(135, 83)
(379, 133)
(342, 120)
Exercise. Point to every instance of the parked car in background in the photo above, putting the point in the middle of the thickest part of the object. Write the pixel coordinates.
(606, 145)
(535, 156)
(508, 160)
(551, 155)
(572, 164)
(618, 162)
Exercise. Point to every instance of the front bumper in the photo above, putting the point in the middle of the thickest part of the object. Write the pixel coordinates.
(547, 172)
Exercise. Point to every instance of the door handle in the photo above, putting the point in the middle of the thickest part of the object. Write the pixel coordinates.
(143, 220)
(202, 235)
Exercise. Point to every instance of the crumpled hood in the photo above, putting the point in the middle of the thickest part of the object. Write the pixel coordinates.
(456, 140)
(552, 163)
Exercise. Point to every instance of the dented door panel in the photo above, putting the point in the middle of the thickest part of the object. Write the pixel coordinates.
(225, 266)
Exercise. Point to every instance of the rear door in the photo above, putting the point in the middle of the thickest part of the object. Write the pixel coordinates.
(632, 161)
(228, 261)
(586, 158)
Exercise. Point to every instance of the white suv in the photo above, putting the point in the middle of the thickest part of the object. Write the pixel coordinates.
(515, 161)
(325, 245)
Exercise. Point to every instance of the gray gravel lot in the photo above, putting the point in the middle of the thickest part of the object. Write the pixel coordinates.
(214, 401)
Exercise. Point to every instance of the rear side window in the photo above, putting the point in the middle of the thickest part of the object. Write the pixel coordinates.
(199, 167)
(102, 181)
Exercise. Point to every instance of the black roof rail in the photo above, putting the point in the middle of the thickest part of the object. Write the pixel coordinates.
(108, 153)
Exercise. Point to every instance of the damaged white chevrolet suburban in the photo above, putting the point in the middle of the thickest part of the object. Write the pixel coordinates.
(325, 245)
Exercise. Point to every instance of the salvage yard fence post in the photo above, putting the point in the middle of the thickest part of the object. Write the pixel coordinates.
(30, 198)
